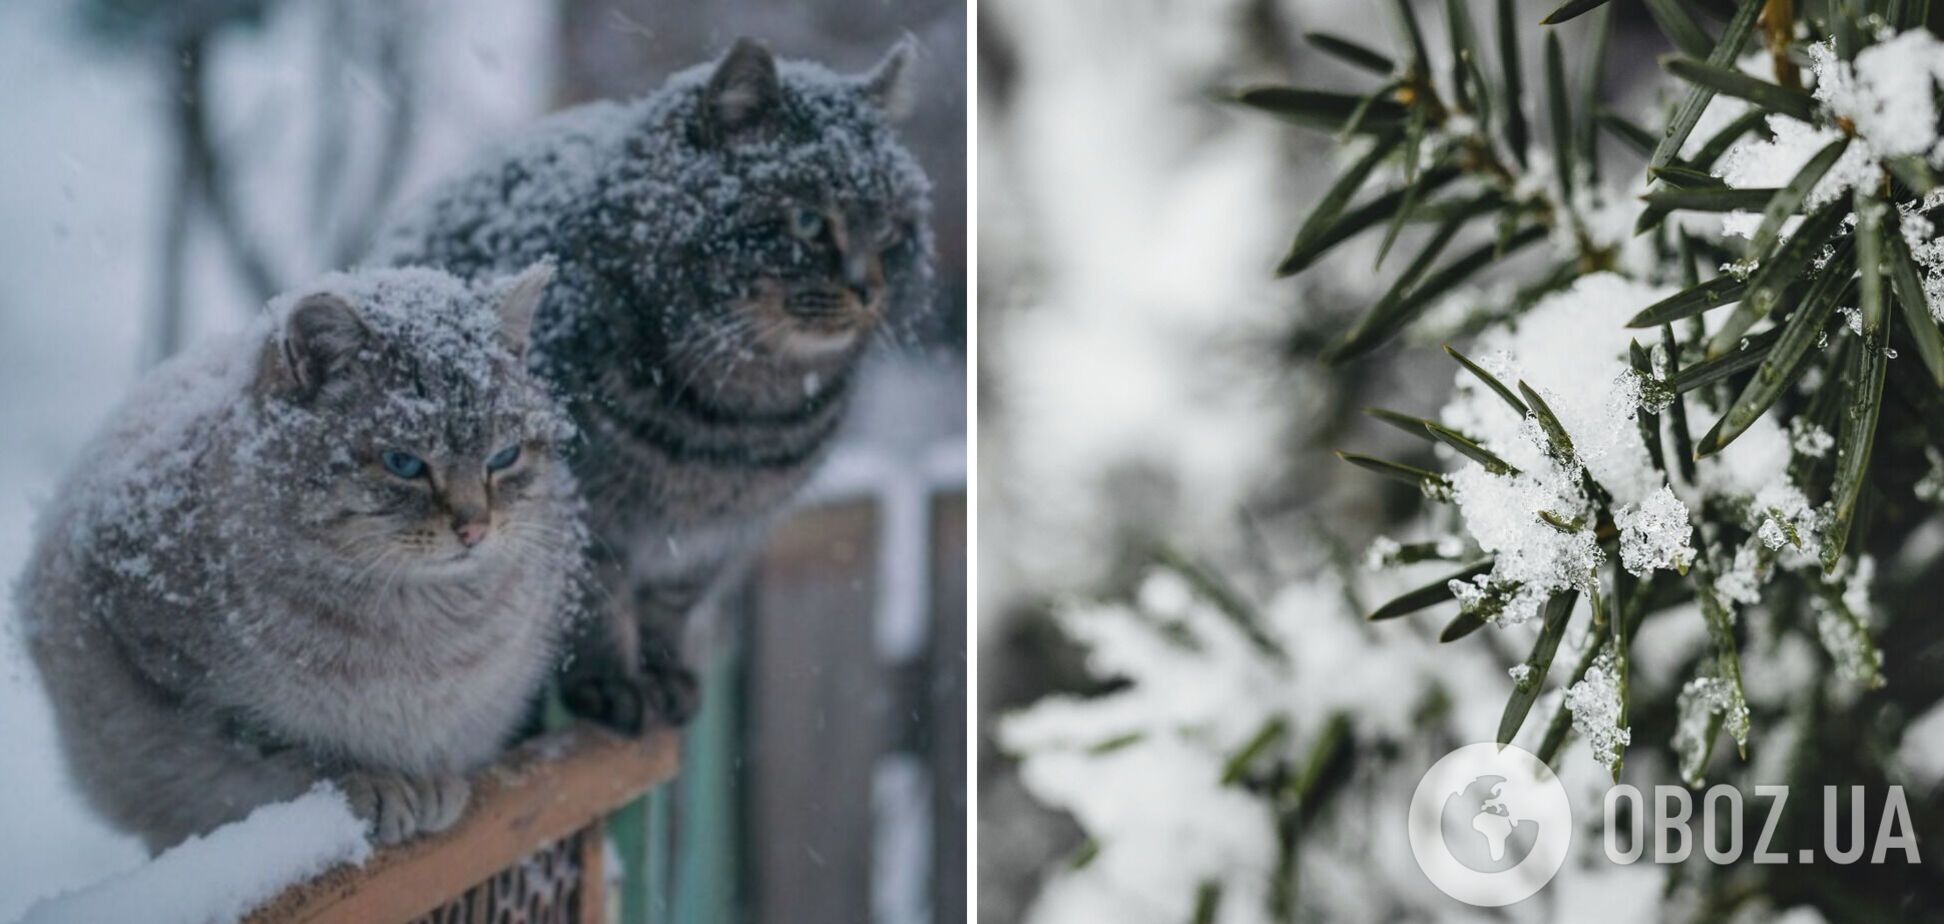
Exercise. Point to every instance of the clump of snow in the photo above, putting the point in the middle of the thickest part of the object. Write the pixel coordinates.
(1887, 92)
(1926, 249)
(1857, 659)
(1742, 582)
(1757, 163)
(1654, 534)
(1534, 559)
(1596, 704)
(1382, 553)
(1786, 516)
(1165, 593)
(1573, 349)
(1809, 439)
(1572, 346)
(1842, 623)
(1700, 702)
(1931, 486)
(1886, 95)
(1144, 767)
(227, 873)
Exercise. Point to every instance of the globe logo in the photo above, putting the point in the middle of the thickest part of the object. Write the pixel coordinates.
(1490, 826)
(1482, 832)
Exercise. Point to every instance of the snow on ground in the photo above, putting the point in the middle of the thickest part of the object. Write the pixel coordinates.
(225, 874)
(81, 182)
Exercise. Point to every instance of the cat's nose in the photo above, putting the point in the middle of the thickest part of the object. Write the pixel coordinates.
(857, 278)
(471, 532)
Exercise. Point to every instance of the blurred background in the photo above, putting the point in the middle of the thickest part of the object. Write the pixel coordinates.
(172, 163)
(1154, 428)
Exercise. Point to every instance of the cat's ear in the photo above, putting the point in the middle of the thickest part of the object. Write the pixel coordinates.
(743, 92)
(321, 340)
(518, 299)
(893, 84)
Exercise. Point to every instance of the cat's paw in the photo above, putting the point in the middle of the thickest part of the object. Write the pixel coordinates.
(398, 806)
(632, 705)
(674, 693)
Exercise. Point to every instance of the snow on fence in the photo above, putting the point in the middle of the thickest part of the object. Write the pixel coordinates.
(528, 851)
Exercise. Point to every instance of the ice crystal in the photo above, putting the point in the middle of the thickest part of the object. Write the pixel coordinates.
(1858, 660)
(1808, 439)
(1595, 703)
(1654, 534)
(1842, 623)
(1784, 519)
(1696, 709)
(1521, 675)
(1742, 583)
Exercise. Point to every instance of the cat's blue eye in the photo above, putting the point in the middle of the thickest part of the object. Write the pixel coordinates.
(503, 458)
(806, 223)
(403, 464)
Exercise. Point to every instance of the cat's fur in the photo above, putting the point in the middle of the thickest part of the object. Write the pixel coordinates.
(727, 246)
(232, 598)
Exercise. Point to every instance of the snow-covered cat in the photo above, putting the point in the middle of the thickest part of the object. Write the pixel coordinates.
(338, 546)
(727, 246)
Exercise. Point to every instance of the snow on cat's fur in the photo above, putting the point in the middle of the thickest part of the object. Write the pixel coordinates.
(302, 554)
(727, 246)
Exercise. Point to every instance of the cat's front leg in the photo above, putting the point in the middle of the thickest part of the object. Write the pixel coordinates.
(627, 671)
(662, 692)
(399, 806)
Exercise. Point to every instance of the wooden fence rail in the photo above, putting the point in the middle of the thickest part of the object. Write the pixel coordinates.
(529, 849)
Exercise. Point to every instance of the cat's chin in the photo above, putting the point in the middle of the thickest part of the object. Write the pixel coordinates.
(812, 343)
(459, 565)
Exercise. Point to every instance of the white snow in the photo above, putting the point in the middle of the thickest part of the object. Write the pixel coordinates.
(1886, 94)
(1595, 703)
(1654, 534)
(1699, 701)
(224, 875)
(1888, 91)
(1843, 624)
(1141, 767)
(1756, 162)
(1571, 348)
(1809, 439)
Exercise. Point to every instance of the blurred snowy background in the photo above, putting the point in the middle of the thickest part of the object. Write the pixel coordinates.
(1140, 402)
(170, 163)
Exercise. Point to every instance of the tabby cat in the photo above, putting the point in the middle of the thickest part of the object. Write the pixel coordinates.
(336, 547)
(727, 247)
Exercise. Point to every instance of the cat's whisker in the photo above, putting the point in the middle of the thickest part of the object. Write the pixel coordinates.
(713, 343)
(357, 579)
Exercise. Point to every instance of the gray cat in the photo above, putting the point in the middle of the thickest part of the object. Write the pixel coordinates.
(727, 247)
(337, 547)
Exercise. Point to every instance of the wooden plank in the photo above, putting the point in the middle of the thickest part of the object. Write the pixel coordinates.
(947, 662)
(543, 791)
(593, 888)
(816, 717)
